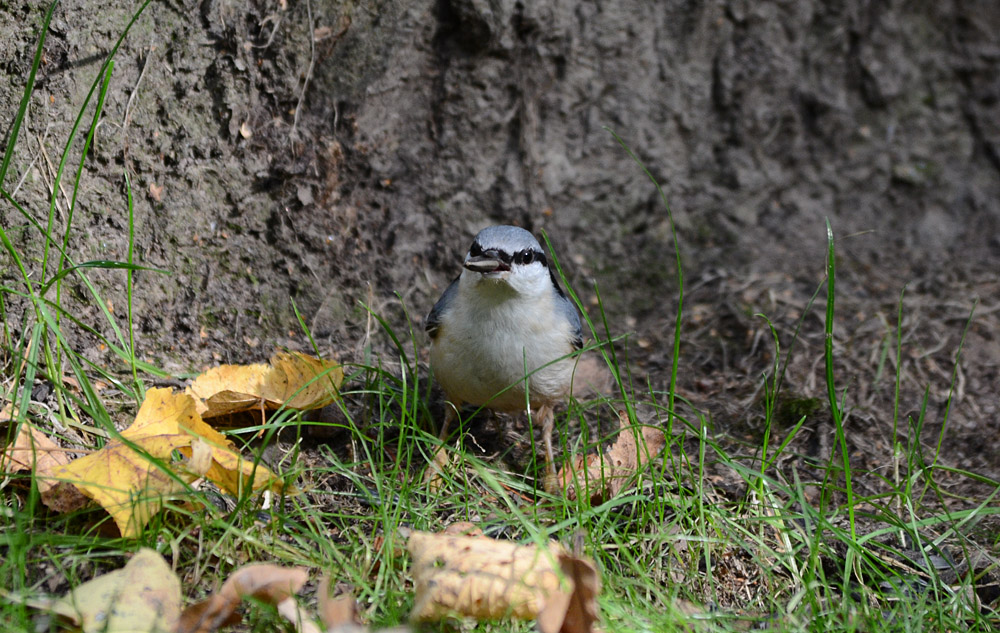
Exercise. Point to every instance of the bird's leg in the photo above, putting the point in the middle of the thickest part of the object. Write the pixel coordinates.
(548, 422)
(450, 413)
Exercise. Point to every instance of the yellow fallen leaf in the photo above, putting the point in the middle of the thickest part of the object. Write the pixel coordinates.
(228, 469)
(479, 577)
(231, 388)
(231, 472)
(127, 481)
(142, 597)
(131, 476)
(603, 476)
(298, 381)
(291, 380)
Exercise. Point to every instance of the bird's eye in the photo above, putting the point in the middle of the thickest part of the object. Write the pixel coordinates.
(524, 257)
(476, 250)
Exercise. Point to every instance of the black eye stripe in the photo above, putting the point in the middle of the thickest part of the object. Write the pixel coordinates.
(521, 257)
(528, 256)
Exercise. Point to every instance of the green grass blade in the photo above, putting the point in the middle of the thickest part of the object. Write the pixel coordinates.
(835, 409)
(98, 263)
(29, 88)
(99, 80)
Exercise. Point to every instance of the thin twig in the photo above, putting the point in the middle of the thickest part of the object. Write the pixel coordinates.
(31, 163)
(49, 183)
(309, 70)
(135, 89)
(274, 31)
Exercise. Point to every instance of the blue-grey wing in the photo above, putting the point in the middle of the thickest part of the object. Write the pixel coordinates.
(566, 308)
(434, 318)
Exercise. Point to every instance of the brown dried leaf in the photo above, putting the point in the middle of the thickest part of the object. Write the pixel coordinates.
(577, 611)
(604, 476)
(485, 579)
(208, 616)
(64, 497)
(337, 612)
(264, 582)
(33, 450)
(156, 191)
(627, 457)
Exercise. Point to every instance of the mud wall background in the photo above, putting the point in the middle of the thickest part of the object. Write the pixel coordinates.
(335, 152)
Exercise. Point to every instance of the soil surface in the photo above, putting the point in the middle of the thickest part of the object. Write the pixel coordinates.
(325, 156)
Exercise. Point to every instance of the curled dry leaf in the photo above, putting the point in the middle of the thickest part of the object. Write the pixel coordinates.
(338, 613)
(291, 380)
(575, 612)
(302, 382)
(483, 578)
(228, 389)
(272, 584)
(142, 597)
(603, 476)
(299, 617)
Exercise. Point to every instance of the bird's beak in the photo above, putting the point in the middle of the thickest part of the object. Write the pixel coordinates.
(488, 262)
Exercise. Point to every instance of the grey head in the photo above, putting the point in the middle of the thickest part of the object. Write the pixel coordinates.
(497, 248)
(494, 252)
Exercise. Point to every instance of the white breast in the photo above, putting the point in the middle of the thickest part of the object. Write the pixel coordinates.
(491, 338)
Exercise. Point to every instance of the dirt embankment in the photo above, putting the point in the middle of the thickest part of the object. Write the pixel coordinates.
(337, 152)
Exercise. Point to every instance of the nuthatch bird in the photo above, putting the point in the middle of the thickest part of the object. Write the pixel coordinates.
(503, 327)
